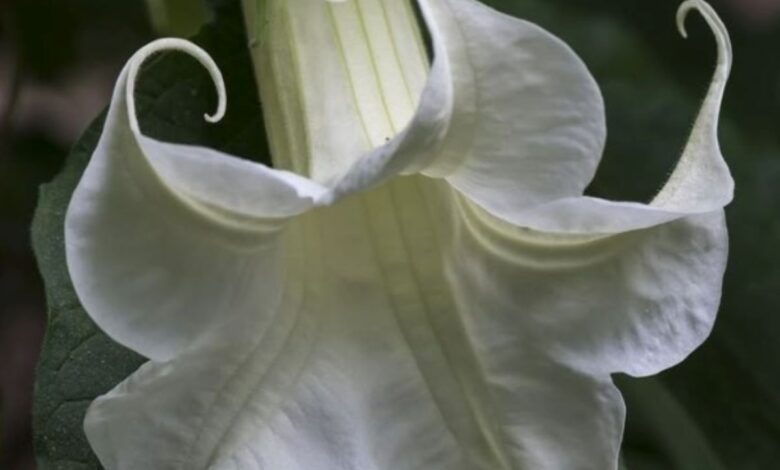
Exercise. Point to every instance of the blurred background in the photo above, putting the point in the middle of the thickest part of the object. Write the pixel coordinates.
(58, 62)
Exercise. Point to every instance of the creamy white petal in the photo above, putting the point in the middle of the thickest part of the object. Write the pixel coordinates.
(627, 287)
(348, 374)
(700, 184)
(509, 114)
(418, 325)
(528, 120)
(512, 119)
(575, 310)
(251, 415)
(637, 302)
(506, 106)
(154, 229)
(418, 337)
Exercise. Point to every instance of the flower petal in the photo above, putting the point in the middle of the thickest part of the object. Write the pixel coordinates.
(486, 344)
(423, 342)
(637, 302)
(345, 375)
(154, 229)
(509, 115)
(701, 183)
(527, 117)
(630, 288)
(166, 416)
(196, 411)
(374, 363)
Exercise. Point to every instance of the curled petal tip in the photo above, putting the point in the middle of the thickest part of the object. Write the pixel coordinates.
(715, 24)
(217, 116)
(221, 104)
(219, 84)
(682, 15)
(188, 48)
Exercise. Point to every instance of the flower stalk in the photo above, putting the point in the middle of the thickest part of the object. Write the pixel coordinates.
(336, 78)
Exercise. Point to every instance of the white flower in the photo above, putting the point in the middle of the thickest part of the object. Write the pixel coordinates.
(330, 314)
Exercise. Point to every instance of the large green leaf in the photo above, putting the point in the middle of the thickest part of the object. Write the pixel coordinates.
(78, 361)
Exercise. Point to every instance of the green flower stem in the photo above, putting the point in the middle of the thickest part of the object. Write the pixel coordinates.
(367, 54)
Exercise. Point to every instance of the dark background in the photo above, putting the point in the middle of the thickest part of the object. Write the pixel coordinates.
(58, 61)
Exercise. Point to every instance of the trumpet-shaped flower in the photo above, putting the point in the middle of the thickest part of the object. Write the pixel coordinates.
(419, 282)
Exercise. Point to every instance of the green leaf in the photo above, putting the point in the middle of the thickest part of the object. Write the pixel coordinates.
(78, 361)
(660, 434)
(180, 18)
